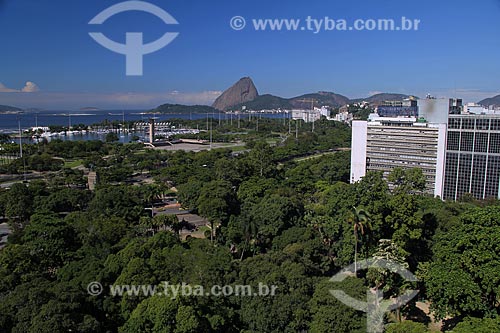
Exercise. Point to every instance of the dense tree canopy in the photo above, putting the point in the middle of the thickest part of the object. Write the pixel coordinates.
(281, 215)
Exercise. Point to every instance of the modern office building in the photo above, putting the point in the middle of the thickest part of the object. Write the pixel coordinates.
(405, 108)
(472, 157)
(383, 144)
(458, 153)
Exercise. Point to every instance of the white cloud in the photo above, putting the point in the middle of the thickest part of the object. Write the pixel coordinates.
(126, 100)
(29, 87)
(4, 89)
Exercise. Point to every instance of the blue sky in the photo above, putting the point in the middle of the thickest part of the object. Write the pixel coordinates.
(46, 43)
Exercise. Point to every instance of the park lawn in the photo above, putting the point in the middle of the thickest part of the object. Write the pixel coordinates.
(72, 163)
(238, 148)
(272, 141)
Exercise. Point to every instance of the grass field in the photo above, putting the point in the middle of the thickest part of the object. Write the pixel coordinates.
(72, 163)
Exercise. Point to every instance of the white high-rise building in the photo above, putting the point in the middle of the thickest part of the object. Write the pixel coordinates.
(387, 143)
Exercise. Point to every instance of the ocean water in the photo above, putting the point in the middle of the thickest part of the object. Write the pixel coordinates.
(9, 123)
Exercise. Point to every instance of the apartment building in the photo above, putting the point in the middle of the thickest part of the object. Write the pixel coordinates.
(383, 144)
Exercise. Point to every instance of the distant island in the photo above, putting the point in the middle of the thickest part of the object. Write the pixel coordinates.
(182, 109)
(90, 108)
(7, 108)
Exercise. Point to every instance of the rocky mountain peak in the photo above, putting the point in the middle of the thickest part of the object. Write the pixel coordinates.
(241, 92)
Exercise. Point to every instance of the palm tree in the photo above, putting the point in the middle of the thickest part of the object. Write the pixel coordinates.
(360, 220)
(151, 193)
(250, 233)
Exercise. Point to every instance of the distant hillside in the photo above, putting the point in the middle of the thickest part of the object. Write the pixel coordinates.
(491, 101)
(271, 102)
(322, 98)
(179, 109)
(379, 98)
(265, 102)
(4, 108)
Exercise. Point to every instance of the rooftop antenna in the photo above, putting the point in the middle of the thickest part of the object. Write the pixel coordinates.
(289, 123)
(211, 119)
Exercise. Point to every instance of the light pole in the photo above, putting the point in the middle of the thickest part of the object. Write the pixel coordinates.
(21, 148)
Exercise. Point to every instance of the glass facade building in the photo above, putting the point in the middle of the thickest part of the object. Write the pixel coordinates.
(472, 157)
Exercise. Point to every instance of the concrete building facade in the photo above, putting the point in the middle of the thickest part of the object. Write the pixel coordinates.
(388, 143)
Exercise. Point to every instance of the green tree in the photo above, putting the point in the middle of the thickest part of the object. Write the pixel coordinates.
(328, 314)
(51, 240)
(261, 158)
(160, 222)
(112, 137)
(118, 201)
(189, 193)
(18, 205)
(249, 233)
(216, 202)
(407, 326)
(463, 278)
(360, 221)
(286, 311)
(478, 325)
(407, 180)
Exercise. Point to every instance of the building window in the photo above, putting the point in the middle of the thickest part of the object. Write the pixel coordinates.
(495, 143)
(450, 176)
(483, 124)
(464, 171)
(453, 140)
(492, 177)
(481, 143)
(478, 175)
(468, 123)
(467, 141)
(454, 123)
(495, 124)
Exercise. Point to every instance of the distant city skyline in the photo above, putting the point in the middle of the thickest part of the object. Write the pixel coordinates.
(49, 61)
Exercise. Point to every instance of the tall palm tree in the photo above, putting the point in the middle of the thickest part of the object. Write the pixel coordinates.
(360, 220)
(249, 232)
